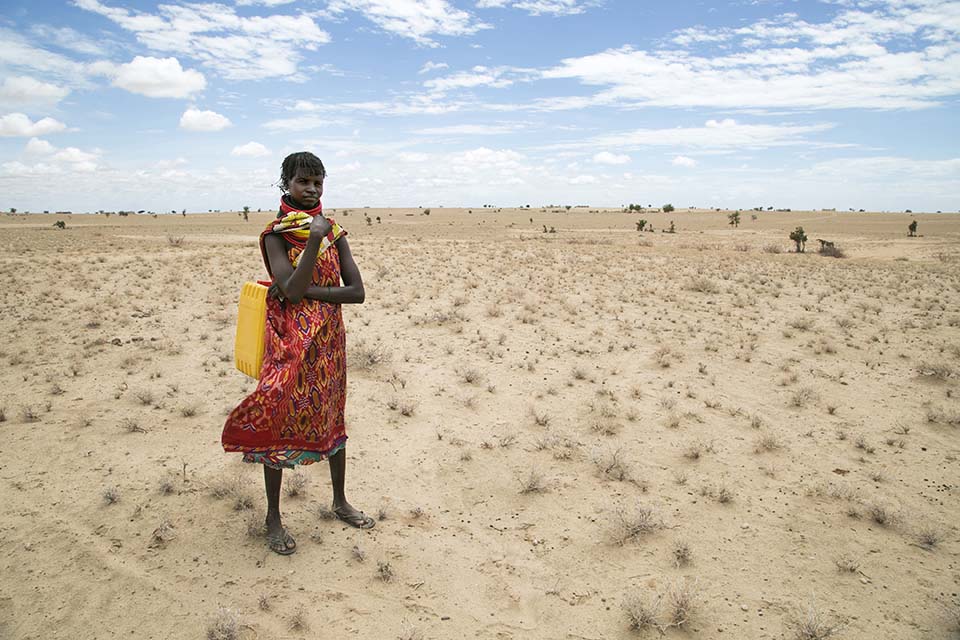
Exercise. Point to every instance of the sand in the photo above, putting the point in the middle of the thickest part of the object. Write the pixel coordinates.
(547, 425)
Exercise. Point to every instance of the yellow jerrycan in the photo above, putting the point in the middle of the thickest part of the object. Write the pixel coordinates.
(251, 323)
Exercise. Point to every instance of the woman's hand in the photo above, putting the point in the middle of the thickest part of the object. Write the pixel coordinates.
(320, 226)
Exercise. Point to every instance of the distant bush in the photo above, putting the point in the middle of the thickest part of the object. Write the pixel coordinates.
(799, 238)
(667, 208)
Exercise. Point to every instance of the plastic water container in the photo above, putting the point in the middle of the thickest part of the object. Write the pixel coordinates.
(251, 321)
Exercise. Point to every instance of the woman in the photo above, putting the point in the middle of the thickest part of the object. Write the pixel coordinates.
(295, 415)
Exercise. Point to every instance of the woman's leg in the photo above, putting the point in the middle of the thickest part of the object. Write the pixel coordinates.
(343, 509)
(279, 540)
(272, 479)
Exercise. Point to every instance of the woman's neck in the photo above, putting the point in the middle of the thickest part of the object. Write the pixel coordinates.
(297, 205)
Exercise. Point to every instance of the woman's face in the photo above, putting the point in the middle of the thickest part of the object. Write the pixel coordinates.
(306, 190)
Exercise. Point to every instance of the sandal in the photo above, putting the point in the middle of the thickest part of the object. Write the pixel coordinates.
(287, 538)
(282, 543)
(363, 521)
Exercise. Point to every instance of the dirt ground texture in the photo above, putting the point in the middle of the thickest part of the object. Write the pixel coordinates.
(588, 433)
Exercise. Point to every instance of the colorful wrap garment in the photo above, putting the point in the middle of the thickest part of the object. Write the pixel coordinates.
(295, 415)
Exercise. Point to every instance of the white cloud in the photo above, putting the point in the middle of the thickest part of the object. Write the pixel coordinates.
(38, 147)
(414, 19)
(433, 66)
(683, 161)
(251, 150)
(469, 130)
(605, 157)
(17, 53)
(68, 38)
(583, 179)
(237, 47)
(302, 123)
(540, 7)
(197, 120)
(75, 155)
(478, 76)
(18, 124)
(24, 90)
(266, 3)
(153, 77)
(901, 55)
(714, 134)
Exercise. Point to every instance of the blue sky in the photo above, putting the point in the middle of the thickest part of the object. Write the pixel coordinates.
(120, 104)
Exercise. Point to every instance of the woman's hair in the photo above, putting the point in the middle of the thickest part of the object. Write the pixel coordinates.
(302, 162)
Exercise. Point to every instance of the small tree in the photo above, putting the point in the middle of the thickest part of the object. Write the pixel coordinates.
(734, 219)
(667, 208)
(913, 229)
(673, 229)
(60, 224)
(13, 209)
(799, 237)
(246, 213)
(641, 224)
(568, 207)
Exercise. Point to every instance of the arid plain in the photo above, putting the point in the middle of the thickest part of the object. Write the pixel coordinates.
(588, 433)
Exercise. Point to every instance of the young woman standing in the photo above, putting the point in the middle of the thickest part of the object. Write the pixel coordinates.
(296, 414)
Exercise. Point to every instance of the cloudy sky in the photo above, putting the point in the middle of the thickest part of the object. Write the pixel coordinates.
(123, 104)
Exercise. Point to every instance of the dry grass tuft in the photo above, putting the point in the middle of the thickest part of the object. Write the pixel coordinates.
(847, 563)
(224, 626)
(111, 495)
(364, 357)
(635, 523)
(681, 553)
(298, 619)
(384, 571)
(611, 464)
(295, 483)
(163, 533)
(809, 623)
(642, 613)
(683, 601)
(533, 482)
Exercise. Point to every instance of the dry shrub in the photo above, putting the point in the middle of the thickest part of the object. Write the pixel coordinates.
(384, 571)
(175, 241)
(256, 523)
(802, 397)
(364, 357)
(224, 626)
(809, 623)
(642, 613)
(295, 483)
(683, 601)
(938, 370)
(942, 416)
(702, 284)
(163, 533)
(767, 442)
(635, 523)
(772, 248)
(533, 482)
(611, 464)
(681, 553)
(111, 495)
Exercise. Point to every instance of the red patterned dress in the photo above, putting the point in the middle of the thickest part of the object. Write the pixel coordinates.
(295, 415)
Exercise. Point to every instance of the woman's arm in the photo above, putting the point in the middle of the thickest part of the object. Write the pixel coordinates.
(292, 282)
(352, 289)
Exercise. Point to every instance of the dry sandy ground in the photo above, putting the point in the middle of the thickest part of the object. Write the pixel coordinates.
(555, 428)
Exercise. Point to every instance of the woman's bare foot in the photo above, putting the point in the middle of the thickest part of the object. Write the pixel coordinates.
(352, 516)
